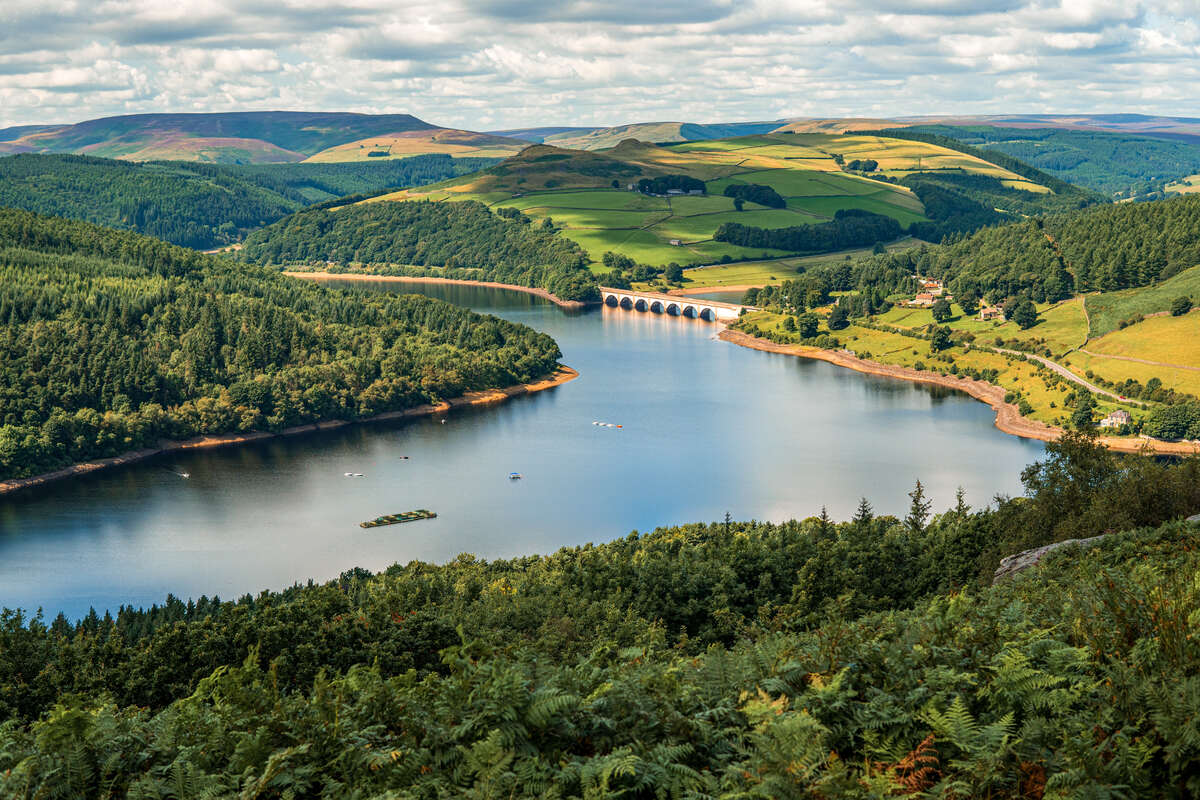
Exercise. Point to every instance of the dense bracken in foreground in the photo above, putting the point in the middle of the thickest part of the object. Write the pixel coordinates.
(459, 240)
(869, 658)
(110, 341)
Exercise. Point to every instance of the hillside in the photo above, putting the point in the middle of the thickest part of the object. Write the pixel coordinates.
(803, 659)
(1120, 165)
(445, 141)
(111, 341)
(587, 192)
(235, 137)
(198, 205)
(453, 240)
(656, 132)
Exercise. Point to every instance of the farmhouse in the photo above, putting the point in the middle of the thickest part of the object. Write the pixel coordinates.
(1116, 419)
(923, 299)
(990, 312)
(676, 243)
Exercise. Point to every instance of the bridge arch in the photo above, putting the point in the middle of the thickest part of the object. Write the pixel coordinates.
(673, 309)
(656, 307)
(626, 303)
(709, 314)
(641, 305)
(611, 301)
(689, 311)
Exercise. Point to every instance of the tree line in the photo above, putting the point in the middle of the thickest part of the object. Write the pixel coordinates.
(194, 204)
(111, 341)
(461, 239)
(870, 657)
(849, 228)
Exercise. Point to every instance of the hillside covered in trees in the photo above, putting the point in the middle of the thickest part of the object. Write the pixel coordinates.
(1104, 248)
(459, 240)
(868, 658)
(195, 204)
(110, 341)
(1116, 164)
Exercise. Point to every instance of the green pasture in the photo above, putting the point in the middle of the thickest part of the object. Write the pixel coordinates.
(1109, 309)
(879, 203)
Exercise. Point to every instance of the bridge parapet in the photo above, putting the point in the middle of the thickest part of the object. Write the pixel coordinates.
(674, 305)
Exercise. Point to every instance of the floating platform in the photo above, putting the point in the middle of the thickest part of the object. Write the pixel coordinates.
(395, 519)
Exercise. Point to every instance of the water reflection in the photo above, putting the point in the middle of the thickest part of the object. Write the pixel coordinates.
(708, 427)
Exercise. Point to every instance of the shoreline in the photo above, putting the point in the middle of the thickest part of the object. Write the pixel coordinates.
(1008, 418)
(484, 397)
(573, 305)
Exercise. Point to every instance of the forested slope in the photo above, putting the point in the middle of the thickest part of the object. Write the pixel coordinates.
(194, 204)
(110, 340)
(869, 658)
(1103, 248)
(463, 240)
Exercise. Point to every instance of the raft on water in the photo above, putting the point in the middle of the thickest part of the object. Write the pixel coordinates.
(393, 519)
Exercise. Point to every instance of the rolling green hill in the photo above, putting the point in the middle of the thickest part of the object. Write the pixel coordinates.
(587, 193)
(198, 205)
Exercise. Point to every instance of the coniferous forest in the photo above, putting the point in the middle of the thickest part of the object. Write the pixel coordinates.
(868, 658)
(462, 240)
(195, 204)
(110, 341)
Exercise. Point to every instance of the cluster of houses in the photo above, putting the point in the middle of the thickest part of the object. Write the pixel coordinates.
(670, 192)
(931, 291)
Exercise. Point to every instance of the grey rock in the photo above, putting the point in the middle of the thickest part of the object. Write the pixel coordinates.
(1193, 518)
(1014, 564)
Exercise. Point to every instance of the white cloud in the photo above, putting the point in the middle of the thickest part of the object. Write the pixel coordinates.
(498, 63)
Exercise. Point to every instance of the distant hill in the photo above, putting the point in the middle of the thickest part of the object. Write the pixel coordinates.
(199, 205)
(236, 137)
(657, 132)
(1121, 165)
(447, 141)
(538, 135)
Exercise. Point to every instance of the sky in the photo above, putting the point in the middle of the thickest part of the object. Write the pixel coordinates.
(493, 64)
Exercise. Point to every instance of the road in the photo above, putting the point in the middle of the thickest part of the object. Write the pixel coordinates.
(1061, 370)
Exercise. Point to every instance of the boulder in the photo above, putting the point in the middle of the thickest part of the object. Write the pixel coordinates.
(1020, 562)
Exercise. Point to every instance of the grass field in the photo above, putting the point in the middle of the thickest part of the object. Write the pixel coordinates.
(1061, 327)
(1109, 309)
(1117, 370)
(1167, 339)
(413, 143)
(760, 273)
(1185, 185)
(1046, 395)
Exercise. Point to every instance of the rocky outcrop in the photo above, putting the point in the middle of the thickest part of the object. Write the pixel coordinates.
(1020, 562)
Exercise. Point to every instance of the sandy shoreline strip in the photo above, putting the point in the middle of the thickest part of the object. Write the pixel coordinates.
(366, 276)
(1008, 418)
(486, 397)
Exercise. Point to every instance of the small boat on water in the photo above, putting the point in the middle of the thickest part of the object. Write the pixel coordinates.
(514, 476)
(394, 519)
(353, 474)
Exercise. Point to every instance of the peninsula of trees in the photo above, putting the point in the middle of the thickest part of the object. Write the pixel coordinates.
(458, 240)
(110, 341)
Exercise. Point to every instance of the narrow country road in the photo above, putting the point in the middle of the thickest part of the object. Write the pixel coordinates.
(1061, 370)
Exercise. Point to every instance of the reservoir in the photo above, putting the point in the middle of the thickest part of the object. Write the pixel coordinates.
(707, 428)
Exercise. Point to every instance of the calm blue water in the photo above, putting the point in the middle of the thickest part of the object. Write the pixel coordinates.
(709, 427)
